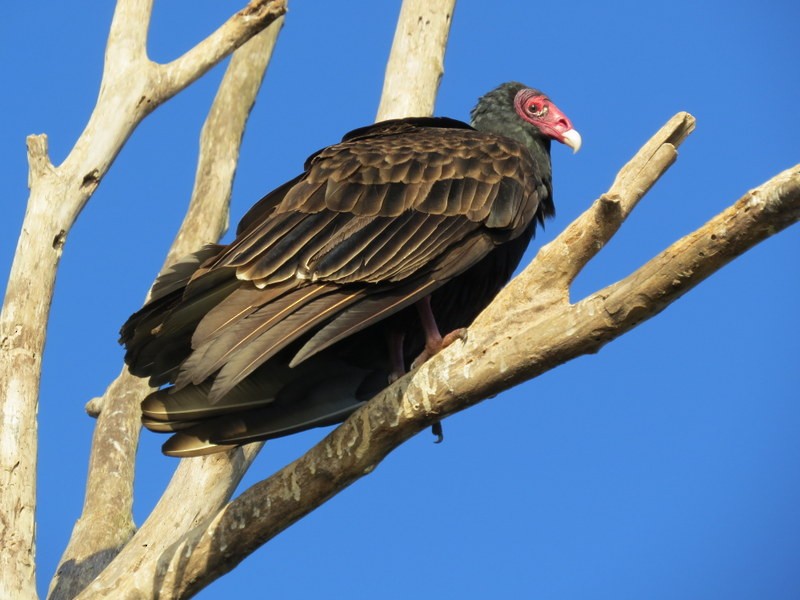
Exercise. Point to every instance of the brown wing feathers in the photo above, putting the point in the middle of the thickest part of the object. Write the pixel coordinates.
(374, 224)
(268, 344)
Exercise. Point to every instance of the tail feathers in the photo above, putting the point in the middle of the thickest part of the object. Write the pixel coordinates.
(169, 321)
(258, 425)
(271, 403)
(188, 445)
(192, 403)
(166, 426)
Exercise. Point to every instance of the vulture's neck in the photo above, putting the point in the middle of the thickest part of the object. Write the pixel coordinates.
(512, 127)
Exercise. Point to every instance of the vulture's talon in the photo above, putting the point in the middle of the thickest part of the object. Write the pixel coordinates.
(433, 349)
(456, 334)
(436, 429)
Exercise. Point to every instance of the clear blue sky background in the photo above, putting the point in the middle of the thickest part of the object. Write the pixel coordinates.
(667, 466)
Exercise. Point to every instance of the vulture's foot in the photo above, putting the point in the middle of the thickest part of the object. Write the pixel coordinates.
(434, 346)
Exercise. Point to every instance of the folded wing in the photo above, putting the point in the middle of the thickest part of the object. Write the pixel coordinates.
(389, 215)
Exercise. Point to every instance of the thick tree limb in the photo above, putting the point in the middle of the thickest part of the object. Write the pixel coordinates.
(537, 337)
(106, 523)
(183, 506)
(129, 91)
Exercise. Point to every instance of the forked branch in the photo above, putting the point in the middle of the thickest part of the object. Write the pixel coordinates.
(132, 87)
(106, 524)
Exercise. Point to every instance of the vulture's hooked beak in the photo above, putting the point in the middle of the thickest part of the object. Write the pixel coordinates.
(572, 139)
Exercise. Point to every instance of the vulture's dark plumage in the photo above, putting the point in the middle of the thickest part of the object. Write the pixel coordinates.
(338, 279)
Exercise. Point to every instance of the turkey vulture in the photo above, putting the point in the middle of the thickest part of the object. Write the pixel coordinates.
(340, 277)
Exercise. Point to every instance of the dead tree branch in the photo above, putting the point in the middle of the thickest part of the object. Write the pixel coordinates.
(416, 61)
(131, 88)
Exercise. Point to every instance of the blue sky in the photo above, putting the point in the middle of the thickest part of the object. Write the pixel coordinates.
(666, 466)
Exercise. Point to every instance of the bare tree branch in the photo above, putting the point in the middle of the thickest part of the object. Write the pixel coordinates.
(537, 337)
(106, 523)
(198, 489)
(129, 91)
(416, 61)
(759, 214)
(175, 76)
(581, 241)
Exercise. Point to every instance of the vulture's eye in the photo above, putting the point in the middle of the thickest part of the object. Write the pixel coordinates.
(537, 110)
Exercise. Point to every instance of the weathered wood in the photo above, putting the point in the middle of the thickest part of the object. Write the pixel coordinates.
(416, 61)
(132, 87)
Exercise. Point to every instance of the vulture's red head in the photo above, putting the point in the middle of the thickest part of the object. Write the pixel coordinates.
(538, 110)
(534, 116)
